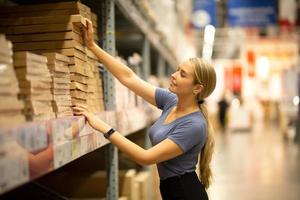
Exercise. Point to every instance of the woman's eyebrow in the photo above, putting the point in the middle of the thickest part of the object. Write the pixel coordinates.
(183, 70)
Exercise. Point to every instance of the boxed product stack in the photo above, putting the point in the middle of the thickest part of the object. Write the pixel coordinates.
(58, 66)
(57, 27)
(10, 106)
(95, 92)
(35, 85)
(122, 93)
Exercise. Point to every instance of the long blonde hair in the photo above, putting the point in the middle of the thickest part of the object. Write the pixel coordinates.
(205, 75)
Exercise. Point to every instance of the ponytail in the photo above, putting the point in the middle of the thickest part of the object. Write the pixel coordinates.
(205, 173)
(205, 75)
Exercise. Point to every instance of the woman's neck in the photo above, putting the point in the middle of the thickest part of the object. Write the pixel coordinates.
(186, 105)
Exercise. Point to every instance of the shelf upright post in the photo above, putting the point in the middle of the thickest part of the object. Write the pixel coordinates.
(109, 44)
(170, 70)
(146, 59)
(161, 68)
(146, 69)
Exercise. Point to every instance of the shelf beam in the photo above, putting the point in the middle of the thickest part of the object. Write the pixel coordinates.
(130, 11)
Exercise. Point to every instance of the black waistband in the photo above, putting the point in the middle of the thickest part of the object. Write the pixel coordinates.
(173, 178)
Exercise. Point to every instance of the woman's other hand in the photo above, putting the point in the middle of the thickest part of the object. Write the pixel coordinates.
(92, 119)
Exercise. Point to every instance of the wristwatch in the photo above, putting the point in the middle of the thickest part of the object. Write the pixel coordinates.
(109, 133)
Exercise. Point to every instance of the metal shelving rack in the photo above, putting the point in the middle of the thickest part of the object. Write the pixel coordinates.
(109, 44)
(42, 147)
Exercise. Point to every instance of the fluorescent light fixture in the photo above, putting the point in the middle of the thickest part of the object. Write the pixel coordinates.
(296, 100)
(209, 36)
(235, 103)
(263, 67)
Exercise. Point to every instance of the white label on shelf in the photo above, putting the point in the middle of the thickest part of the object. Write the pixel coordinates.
(68, 133)
(5, 137)
(83, 145)
(14, 167)
(57, 132)
(62, 154)
(32, 137)
(75, 148)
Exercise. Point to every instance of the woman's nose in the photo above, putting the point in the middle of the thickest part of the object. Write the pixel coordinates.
(174, 75)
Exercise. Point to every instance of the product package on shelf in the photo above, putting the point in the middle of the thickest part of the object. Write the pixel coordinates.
(135, 62)
(35, 85)
(125, 98)
(10, 106)
(57, 27)
(61, 83)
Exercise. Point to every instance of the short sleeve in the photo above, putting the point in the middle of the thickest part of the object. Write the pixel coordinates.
(164, 98)
(188, 134)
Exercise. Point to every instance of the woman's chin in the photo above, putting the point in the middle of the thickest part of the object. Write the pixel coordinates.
(171, 89)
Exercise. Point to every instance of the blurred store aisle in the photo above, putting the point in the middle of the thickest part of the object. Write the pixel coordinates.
(255, 166)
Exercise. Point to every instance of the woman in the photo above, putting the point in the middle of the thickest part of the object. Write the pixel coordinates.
(180, 134)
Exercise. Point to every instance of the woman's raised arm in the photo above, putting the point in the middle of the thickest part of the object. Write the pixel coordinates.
(122, 72)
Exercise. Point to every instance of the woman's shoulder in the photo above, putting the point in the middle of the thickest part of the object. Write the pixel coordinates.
(165, 99)
(165, 92)
(195, 120)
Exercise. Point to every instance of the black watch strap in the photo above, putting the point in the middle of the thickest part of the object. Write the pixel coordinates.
(109, 133)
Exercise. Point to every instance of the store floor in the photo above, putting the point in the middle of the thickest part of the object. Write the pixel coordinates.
(258, 165)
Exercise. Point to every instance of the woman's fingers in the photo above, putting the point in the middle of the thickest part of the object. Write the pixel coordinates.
(89, 25)
(78, 108)
(78, 113)
(82, 106)
(86, 36)
(85, 32)
(88, 32)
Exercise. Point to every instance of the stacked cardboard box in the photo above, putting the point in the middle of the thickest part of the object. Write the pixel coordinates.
(10, 106)
(57, 27)
(35, 85)
(58, 66)
(125, 98)
(95, 92)
(143, 181)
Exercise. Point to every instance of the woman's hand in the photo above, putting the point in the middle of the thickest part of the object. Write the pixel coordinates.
(92, 119)
(88, 33)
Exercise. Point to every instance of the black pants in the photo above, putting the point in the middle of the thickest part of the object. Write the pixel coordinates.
(184, 187)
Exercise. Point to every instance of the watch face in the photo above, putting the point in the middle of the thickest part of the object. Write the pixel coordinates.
(109, 133)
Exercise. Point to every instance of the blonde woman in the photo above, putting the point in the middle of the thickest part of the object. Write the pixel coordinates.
(180, 136)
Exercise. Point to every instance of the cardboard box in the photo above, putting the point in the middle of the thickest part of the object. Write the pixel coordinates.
(47, 30)
(10, 113)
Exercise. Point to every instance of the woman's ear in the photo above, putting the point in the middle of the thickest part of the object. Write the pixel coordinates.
(197, 88)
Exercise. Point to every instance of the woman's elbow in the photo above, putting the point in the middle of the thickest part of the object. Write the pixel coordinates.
(145, 163)
(146, 160)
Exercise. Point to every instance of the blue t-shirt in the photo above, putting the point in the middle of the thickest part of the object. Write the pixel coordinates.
(188, 132)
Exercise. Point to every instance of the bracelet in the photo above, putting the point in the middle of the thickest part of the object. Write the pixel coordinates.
(109, 133)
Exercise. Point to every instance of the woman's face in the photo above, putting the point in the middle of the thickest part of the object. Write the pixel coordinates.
(182, 81)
